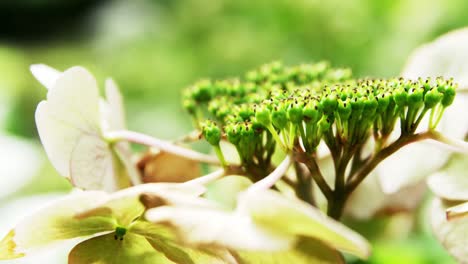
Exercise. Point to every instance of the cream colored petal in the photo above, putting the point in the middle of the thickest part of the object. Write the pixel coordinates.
(94, 166)
(71, 110)
(46, 75)
(452, 182)
(453, 234)
(116, 119)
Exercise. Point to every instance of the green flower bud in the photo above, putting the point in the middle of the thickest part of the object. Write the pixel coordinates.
(383, 101)
(279, 117)
(449, 96)
(415, 98)
(246, 112)
(211, 132)
(401, 97)
(329, 103)
(311, 112)
(202, 91)
(295, 112)
(233, 134)
(263, 115)
(189, 106)
(432, 98)
(120, 233)
(344, 109)
(246, 131)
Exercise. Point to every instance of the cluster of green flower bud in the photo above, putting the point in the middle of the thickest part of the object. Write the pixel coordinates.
(278, 105)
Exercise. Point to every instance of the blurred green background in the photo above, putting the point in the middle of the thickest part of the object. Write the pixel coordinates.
(154, 48)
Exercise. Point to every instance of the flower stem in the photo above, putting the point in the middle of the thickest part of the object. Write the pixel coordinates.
(453, 144)
(220, 155)
(273, 177)
(135, 137)
(355, 179)
(207, 178)
(315, 172)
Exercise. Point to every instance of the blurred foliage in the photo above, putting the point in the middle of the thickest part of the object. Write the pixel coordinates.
(153, 48)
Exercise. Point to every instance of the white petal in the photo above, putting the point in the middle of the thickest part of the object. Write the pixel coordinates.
(93, 166)
(116, 119)
(445, 56)
(409, 165)
(451, 183)
(46, 75)
(367, 199)
(453, 234)
(70, 111)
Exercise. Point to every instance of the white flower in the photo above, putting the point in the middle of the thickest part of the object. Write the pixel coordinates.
(71, 124)
(107, 228)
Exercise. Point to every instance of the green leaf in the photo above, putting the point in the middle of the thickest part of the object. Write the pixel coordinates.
(275, 212)
(451, 183)
(108, 250)
(226, 189)
(307, 251)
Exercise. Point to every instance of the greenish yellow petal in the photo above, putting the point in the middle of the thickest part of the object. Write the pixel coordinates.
(307, 251)
(226, 189)
(59, 221)
(277, 213)
(213, 226)
(108, 250)
(162, 238)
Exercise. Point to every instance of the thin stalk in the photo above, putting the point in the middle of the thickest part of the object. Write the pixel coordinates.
(135, 137)
(304, 184)
(203, 180)
(315, 172)
(360, 174)
(273, 177)
(220, 155)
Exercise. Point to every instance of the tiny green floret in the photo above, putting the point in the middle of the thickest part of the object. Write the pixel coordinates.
(120, 233)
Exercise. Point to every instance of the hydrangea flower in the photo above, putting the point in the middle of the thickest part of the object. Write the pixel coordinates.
(84, 135)
(108, 228)
(71, 124)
